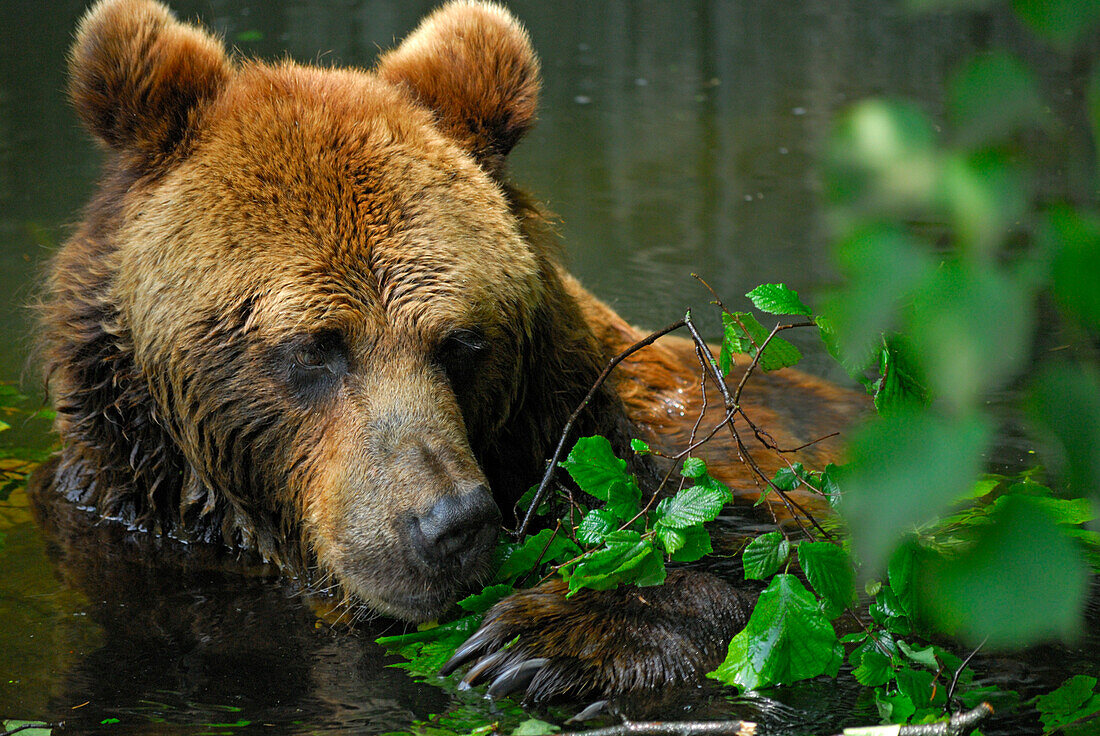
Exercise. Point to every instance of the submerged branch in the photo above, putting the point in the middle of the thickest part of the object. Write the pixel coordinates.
(960, 724)
(673, 728)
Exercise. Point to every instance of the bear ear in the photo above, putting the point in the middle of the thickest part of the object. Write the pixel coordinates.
(137, 76)
(472, 64)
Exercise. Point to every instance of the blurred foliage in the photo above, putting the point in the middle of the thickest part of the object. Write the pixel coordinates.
(948, 249)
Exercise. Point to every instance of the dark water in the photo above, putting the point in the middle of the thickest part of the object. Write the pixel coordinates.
(674, 137)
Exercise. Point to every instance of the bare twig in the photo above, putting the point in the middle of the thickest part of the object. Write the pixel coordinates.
(955, 677)
(960, 724)
(27, 726)
(545, 483)
(673, 728)
(716, 373)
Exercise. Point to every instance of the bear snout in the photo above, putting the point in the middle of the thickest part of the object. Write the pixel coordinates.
(456, 529)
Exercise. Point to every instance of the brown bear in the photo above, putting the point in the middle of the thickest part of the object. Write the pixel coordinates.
(307, 315)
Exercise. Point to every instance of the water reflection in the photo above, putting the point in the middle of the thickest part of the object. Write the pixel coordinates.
(674, 137)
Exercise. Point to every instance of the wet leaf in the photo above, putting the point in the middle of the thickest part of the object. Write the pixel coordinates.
(547, 545)
(691, 506)
(744, 334)
(829, 570)
(595, 526)
(1072, 701)
(486, 599)
(593, 466)
(765, 555)
(787, 479)
(627, 558)
(777, 299)
(787, 639)
(535, 727)
(873, 669)
(696, 544)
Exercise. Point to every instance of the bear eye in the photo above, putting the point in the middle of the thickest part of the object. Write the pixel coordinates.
(310, 357)
(460, 352)
(315, 363)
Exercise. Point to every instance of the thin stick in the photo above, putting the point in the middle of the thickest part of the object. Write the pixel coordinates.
(552, 466)
(673, 728)
(716, 372)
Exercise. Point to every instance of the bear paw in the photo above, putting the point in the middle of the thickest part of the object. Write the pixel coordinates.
(603, 644)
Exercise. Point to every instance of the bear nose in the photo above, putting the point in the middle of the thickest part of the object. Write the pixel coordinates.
(457, 526)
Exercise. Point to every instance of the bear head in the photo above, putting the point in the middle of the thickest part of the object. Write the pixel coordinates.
(305, 313)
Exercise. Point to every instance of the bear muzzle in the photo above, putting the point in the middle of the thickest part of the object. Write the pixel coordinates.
(457, 530)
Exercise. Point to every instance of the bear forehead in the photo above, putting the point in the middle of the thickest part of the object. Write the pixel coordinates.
(321, 189)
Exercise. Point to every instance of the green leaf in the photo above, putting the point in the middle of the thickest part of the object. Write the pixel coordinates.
(535, 727)
(894, 707)
(671, 539)
(696, 544)
(765, 555)
(900, 572)
(30, 728)
(882, 264)
(1063, 705)
(831, 484)
(829, 570)
(916, 685)
(777, 299)
(987, 196)
(430, 649)
(640, 446)
(1065, 403)
(486, 599)
(691, 506)
(596, 525)
(594, 467)
(971, 327)
(520, 560)
(904, 470)
(874, 669)
(1062, 22)
(787, 639)
(899, 389)
(787, 479)
(1092, 98)
(742, 333)
(1019, 581)
(627, 558)
(926, 656)
(693, 468)
(992, 97)
(881, 160)
(1073, 240)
